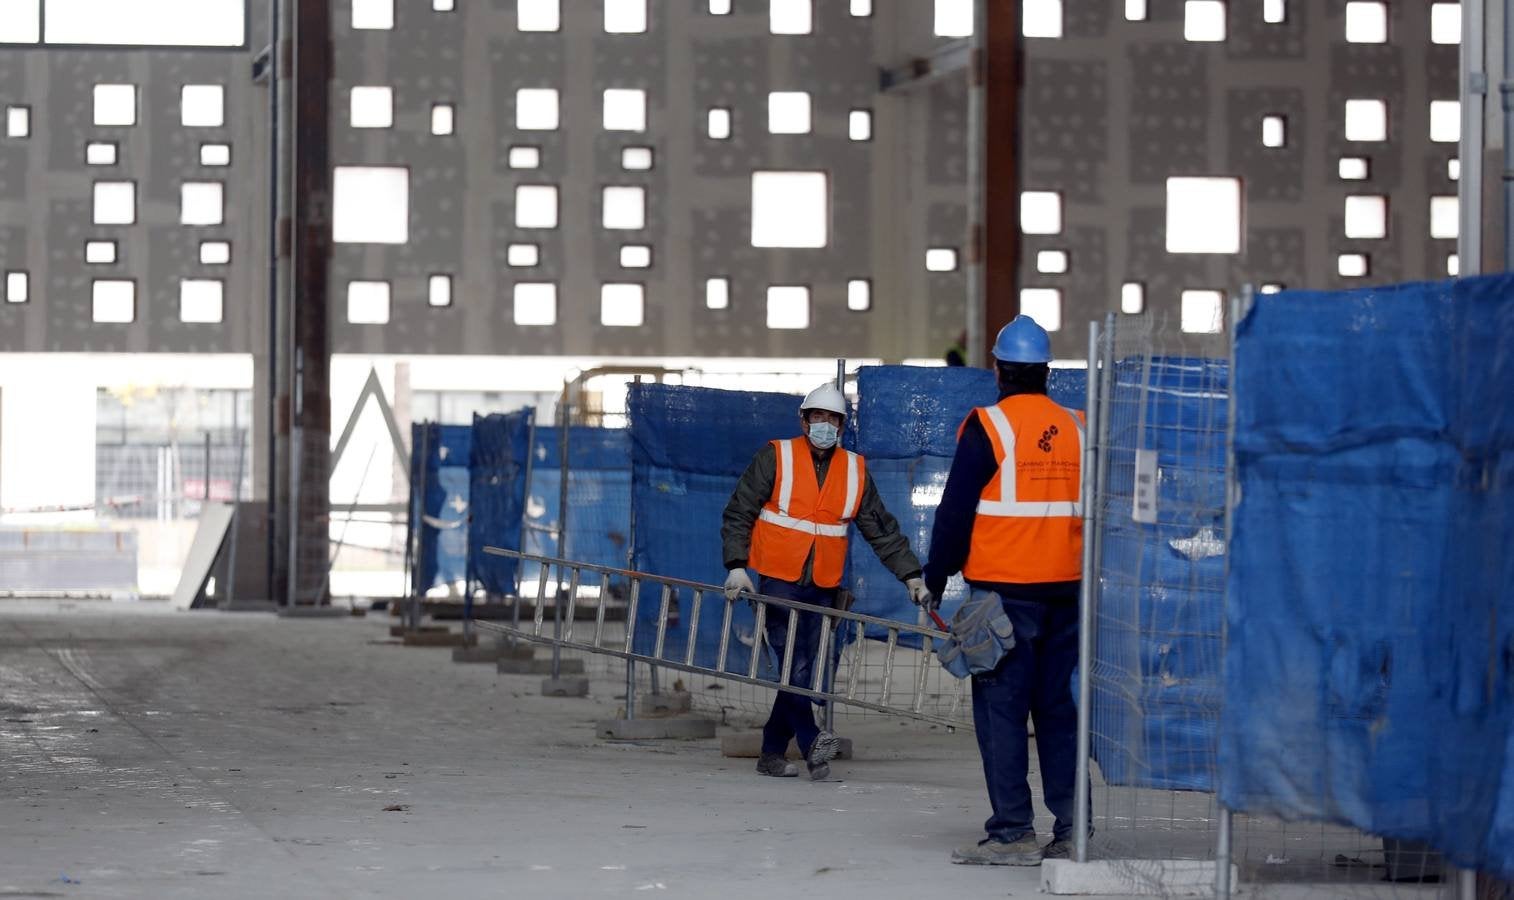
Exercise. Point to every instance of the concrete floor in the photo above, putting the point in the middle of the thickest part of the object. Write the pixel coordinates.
(152, 753)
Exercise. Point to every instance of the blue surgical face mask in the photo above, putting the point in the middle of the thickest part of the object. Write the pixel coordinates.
(823, 435)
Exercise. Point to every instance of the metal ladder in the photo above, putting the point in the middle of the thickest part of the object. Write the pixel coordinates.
(574, 579)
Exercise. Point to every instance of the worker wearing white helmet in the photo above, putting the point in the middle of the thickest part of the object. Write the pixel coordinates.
(788, 519)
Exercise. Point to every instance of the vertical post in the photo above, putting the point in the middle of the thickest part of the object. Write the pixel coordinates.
(975, 151)
(310, 514)
(1474, 91)
(207, 474)
(1222, 857)
(631, 604)
(291, 509)
(236, 523)
(998, 68)
(413, 614)
(1239, 306)
(1085, 607)
(280, 138)
(830, 708)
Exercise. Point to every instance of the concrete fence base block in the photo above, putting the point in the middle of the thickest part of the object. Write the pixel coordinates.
(313, 612)
(748, 745)
(670, 704)
(676, 729)
(475, 654)
(538, 667)
(1133, 877)
(567, 686)
(439, 639)
(507, 650)
(400, 631)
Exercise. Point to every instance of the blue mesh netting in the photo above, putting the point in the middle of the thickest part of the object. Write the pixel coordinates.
(439, 497)
(1156, 670)
(599, 496)
(498, 481)
(1371, 623)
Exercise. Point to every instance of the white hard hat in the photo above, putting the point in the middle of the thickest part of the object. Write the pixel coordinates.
(827, 397)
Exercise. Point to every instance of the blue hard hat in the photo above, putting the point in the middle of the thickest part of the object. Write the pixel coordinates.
(1022, 341)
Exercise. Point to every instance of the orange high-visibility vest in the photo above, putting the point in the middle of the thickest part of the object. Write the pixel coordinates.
(1029, 526)
(802, 515)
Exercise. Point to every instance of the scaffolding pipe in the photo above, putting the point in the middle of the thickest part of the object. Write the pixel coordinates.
(1081, 787)
(1474, 90)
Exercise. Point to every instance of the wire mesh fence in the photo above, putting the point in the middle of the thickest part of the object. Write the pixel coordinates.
(1160, 543)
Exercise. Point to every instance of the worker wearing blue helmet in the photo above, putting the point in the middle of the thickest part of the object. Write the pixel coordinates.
(1010, 520)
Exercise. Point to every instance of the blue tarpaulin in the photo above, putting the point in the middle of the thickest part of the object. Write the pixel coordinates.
(1371, 621)
(599, 495)
(439, 497)
(689, 446)
(498, 481)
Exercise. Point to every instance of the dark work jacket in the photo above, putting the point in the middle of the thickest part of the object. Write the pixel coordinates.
(973, 467)
(878, 527)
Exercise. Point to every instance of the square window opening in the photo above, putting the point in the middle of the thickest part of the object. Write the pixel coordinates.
(1132, 298)
(790, 209)
(636, 159)
(788, 306)
(201, 300)
(115, 105)
(113, 301)
(535, 303)
(1204, 20)
(1040, 212)
(439, 290)
(717, 293)
(859, 295)
(622, 305)
(1202, 312)
(635, 256)
(371, 205)
(789, 112)
(1044, 305)
(536, 206)
(941, 259)
(536, 109)
(523, 256)
(202, 106)
(625, 208)
(368, 302)
(790, 16)
(625, 109)
(1204, 215)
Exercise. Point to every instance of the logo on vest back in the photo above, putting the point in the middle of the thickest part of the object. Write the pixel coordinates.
(1045, 442)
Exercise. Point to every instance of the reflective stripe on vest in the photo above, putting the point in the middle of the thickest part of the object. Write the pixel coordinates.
(1007, 504)
(804, 525)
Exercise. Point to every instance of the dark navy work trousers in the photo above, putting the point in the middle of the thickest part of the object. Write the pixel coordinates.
(793, 715)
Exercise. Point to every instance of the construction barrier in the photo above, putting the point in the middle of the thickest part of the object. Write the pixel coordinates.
(1369, 669)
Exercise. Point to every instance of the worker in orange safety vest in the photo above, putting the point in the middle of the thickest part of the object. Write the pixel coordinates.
(788, 518)
(1011, 521)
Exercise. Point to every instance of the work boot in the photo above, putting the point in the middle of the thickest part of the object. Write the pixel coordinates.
(774, 765)
(825, 748)
(1057, 848)
(1023, 852)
